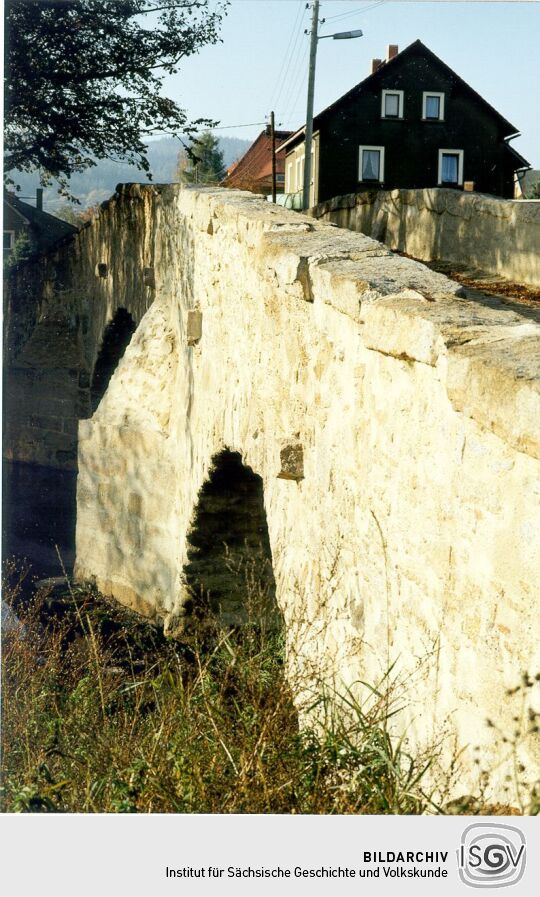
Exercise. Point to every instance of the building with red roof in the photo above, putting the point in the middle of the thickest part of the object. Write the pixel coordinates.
(253, 171)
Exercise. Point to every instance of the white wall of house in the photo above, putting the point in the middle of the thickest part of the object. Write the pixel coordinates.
(294, 170)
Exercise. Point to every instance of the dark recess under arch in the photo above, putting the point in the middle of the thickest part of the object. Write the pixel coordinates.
(116, 338)
(229, 570)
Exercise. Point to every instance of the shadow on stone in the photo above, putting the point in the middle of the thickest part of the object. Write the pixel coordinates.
(38, 514)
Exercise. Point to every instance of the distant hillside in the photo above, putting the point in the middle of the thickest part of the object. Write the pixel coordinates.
(98, 183)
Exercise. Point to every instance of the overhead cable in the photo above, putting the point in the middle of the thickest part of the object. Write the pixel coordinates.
(287, 58)
(354, 12)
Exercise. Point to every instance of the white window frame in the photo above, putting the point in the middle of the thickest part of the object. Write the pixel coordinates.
(454, 152)
(432, 93)
(381, 164)
(11, 234)
(399, 94)
(299, 173)
(289, 183)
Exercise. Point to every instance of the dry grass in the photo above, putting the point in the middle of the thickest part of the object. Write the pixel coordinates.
(101, 713)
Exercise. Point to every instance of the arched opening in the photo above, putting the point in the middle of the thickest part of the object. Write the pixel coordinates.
(116, 338)
(229, 571)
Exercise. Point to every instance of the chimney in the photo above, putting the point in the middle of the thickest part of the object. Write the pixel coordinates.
(39, 199)
(392, 51)
(375, 64)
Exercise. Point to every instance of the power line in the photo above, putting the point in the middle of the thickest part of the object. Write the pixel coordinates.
(293, 67)
(249, 124)
(296, 48)
(302, 81)
(354, 12)
(287, 59)
(298, 80)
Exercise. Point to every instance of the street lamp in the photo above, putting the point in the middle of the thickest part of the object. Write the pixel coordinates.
(342, 35)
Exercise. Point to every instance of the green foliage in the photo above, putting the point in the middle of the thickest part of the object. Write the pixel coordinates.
(21, 251)
(202, 161)
(67, 212)
(76, 216)
(85, 76)
(533, 191)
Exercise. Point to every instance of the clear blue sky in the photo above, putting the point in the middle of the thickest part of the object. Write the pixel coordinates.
(262, 62)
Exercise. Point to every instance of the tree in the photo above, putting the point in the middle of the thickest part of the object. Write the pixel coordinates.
(23, 248)
(77, 217)
(84, 79)
(202, 161)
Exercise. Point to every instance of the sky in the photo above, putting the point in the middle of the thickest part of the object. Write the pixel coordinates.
(263, 60)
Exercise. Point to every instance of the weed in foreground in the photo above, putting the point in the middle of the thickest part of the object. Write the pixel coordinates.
(102, 713)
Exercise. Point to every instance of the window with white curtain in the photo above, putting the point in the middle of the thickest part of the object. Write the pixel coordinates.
(371, 163)
(450, 170)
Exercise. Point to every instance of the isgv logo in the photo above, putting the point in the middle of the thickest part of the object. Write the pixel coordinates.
(491, 855)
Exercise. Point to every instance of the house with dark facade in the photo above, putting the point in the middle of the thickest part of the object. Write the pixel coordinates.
(412, 123)
(42, 230)
(253, 171)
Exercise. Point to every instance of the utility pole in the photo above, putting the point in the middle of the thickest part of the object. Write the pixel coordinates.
(308, 141)
(309, 113)
(273, 133)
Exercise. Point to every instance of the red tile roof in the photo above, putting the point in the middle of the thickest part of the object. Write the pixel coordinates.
(253, 171)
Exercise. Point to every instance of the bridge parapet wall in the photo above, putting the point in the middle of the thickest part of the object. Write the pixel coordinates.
(485, 233)
(57, 307)
(396, 429)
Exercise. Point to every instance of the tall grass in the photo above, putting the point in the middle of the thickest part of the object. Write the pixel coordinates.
(102, 713)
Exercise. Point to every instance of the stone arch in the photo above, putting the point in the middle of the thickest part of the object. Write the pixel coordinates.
(116, 338)
(229, 572)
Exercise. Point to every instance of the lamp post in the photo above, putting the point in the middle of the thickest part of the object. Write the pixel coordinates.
(342, 35)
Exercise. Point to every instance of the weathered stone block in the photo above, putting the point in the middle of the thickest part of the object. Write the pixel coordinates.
(135, 504)
(194, 327)
(292, 462)
(149, 277)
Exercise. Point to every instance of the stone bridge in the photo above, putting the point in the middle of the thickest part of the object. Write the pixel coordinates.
(306, 397)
